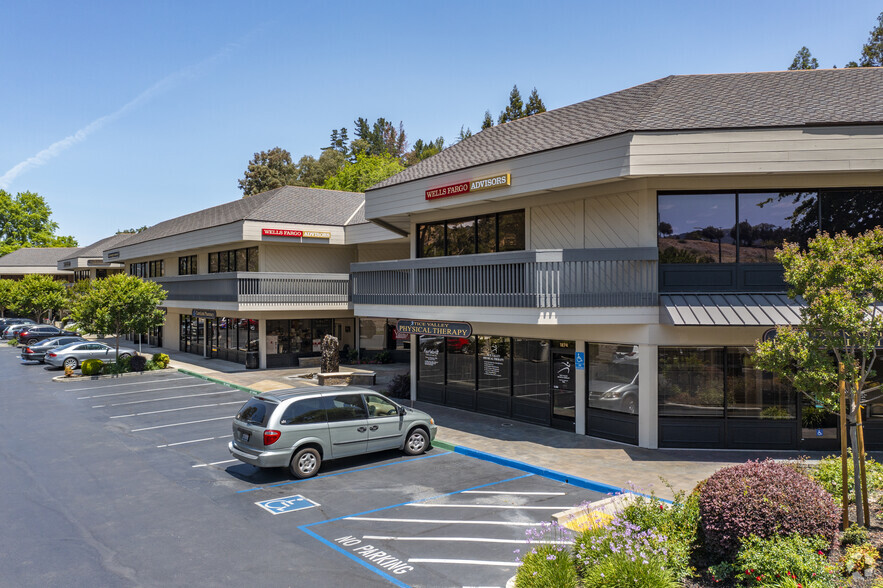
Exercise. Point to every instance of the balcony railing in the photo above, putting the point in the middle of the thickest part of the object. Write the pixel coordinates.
(260, 288)
(551, 278)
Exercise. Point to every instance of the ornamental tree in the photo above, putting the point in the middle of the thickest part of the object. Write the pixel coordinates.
(840, 278)
(7, 296)
(39, 296)
(119, 304)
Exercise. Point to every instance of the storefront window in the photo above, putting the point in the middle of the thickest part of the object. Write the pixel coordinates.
(613, 377)
(691, 381)
(487, 234)
(494, 371)
(278, 338)
(461, 361)
(431, 361)
(503, 231)
(461, 237)
(301, 336)
(511, 231)
(432, 240)
(372, 333)
(531, 370)
(754, 393)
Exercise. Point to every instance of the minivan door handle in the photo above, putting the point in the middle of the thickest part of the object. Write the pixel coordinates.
(361, 429)
(374, 427)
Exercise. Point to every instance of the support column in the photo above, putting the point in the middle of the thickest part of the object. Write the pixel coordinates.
(414, 352)
(648, 396)
(262, 343)
(580, 391)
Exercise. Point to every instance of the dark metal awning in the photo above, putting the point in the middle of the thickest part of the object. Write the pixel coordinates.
(732, 310)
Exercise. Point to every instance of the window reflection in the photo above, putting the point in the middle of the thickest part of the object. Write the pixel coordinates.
(461, 361)
(432, 240)
(695, 228)
(613, 377)
(754, 393)
(490, 233)
(691, 381)
(461, 237)
(431, 361)
(494, 371)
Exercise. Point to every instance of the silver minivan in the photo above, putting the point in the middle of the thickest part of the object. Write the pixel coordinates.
(299, 428)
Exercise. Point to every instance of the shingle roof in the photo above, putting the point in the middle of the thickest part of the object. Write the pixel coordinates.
(288, 204)
(693, 102)
(95, 249)
(35, 256)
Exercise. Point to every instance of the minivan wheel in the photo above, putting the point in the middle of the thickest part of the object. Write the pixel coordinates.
(71, 362)
(417, 443)
(305, 463)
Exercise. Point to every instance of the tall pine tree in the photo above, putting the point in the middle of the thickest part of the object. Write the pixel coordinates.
(515, 110)
(534, 104)
(804, 60)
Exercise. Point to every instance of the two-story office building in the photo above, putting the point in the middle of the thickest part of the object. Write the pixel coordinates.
(34, 260)
(614, 258)
(87, 263)
(262, 279)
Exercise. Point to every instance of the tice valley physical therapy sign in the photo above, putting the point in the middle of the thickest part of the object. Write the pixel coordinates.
(436, 328)
(479, 185)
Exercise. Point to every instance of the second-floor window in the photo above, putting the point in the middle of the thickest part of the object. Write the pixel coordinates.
(488, 233)
(187, 265)
(234, 260)
(148, 269)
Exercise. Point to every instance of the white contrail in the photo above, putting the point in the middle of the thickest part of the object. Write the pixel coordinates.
(58, 147)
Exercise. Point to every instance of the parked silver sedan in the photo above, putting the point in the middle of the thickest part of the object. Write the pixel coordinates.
(76, 353)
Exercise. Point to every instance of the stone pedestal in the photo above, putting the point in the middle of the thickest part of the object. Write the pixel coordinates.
(335, 378)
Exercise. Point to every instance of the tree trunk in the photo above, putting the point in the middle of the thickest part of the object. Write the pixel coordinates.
(844, 468)
(860, 435)
(856, 476)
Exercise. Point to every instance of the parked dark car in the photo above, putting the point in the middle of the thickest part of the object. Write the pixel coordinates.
(36, 333)
(38, 351)
(11, 332)
(5, 322)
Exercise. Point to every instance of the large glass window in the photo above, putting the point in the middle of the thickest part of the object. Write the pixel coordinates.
(691, 381)
(695, 228)
(461, 361)
(502, 231)
(431, 361)
(234, 260)
(753, 393)
(187, 265)
(531, 370)
(853, 211)
(494, 371)
(613, 377)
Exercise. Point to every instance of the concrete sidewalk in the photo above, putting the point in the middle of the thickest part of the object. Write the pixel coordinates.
(607, 462)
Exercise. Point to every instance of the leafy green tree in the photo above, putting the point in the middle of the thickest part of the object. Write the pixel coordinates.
(872, 51)
(7, 296)
(423, 150)
(515, 110)
(267, 171)
(488, 121)
(39, 296)
(119, 304)
(534, 104)
(366, 171)
(25, 221)
(804, 60)
(315, 172)
(840, 278)
(382, 138)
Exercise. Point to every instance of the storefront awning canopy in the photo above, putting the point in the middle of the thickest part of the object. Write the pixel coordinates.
(733, 310)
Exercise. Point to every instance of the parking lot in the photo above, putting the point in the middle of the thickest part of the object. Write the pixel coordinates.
(145, 459)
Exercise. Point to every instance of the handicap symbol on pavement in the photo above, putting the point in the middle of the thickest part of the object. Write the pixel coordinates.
(286, 504)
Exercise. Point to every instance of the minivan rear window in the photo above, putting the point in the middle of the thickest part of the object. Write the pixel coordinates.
(256, 412)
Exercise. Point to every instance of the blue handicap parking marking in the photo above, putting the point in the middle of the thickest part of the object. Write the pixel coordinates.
(286, 504)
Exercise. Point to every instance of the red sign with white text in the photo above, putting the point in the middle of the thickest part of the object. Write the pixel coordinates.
(282, 233)
(499, 181)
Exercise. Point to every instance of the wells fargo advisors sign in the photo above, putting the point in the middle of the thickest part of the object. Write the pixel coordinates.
(436, 328)
(296, 233)
(478, 185)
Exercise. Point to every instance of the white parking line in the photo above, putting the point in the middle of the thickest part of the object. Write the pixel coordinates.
(226, 418)
(205, 465)
(192, 441)
(124, 416)
(465, 539)
(167, 398)
(468, 562)
(513, 506)
(443, 521)
(142, 391)
(514, 493)
(118, 385)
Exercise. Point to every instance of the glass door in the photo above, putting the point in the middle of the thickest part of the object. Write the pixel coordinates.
(564, 385)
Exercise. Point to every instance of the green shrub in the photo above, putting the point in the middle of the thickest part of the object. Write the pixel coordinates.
(545, 566)
(827, 473)
(762, 498)
(767, 562)
(854, 535)
(383, 357)
(858, 558)
(12, 342)
(400, 386)
(161, 360)
(121, 366)
(137, 363)
(92, 367)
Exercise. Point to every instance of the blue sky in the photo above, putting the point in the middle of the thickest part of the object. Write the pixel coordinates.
(124, 114)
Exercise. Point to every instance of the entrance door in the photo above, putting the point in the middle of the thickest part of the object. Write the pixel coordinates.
(184, 335)
(211, 338)
(819, 428)
(563, 387)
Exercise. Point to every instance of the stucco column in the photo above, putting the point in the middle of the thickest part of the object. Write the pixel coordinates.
(580, 391)
(262, 343)
(648, 396)
(413, 368)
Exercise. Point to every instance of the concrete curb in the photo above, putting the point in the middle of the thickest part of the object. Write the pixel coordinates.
(251, 391)
(526, 467)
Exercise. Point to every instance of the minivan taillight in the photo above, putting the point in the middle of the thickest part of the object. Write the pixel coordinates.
(271, 436)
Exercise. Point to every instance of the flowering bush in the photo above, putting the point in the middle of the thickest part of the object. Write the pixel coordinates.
(858, 558)
(161, 360)
(780, 559)
(548, 561)
(766, 499)
(624, 554)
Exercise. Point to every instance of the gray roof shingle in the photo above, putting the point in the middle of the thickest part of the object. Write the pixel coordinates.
(95, 249)
(288, 204)
(691, 102)
(36, 256)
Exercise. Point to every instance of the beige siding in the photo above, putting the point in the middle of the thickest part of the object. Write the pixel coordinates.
(369, 233)
(306, 259)
(383, 252)
(556, 226)
(613, 221)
